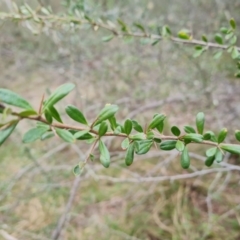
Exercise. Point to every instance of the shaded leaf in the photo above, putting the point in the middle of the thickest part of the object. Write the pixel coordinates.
(102, 129)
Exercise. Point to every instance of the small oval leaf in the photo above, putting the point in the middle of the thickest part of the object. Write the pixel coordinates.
(175, 131)
(125, 143)
(222, 135)
(129, 157)
(185, 159)
(200, 120)
(102, 129)
(209, 161)
(127, 126)
(58, 94)
(189, 129)
(158, 118)
(107, 112)
(104, 154)
(180, 146)
(142, 147)
(76, 114)
(168, 145)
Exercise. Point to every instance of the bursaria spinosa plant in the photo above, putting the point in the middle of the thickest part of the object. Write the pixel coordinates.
(136, 139)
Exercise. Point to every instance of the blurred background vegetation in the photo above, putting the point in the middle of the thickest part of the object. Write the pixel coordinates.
(36, 181)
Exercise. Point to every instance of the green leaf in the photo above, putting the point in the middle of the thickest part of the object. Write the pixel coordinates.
(189, 129)
(211, 151)
(123, 25)
(138, 136)
(11, 98)
(237, 135)
(118, 130)
(184, 34)
(166, 32)
(193, 137)
(157, 140)
(229, 35)
(204, 38)
(175, 131)
(142, 147)
(185, 159)
(232, 148)
(233, 40)
(218, 156)
(160, 127)
(104, 154)
(107, 112)
(58, 94)
(223, 30)
(137, 126)
(80, 134)
(198, 53)
(65, 135)
(150, 135)
(34, 134)
(200, 120)
(207, 136)
(76, 114)
(107, 38)
(128, 126)
(232, 23)
(48, 116)
(113, 122)
(7, 130)
(180, 146)
(27, 113)
(125, 143)
(222, 135)
(157, 119)
(213, 137)
(218, 38)
(139, 26)
(209, 161)
(235, 53)
(47, 135)
(102, 129)
(217, 55)
(168, 145)
(155, 42)
(54, 113)
(129, 157)
(77, 170)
